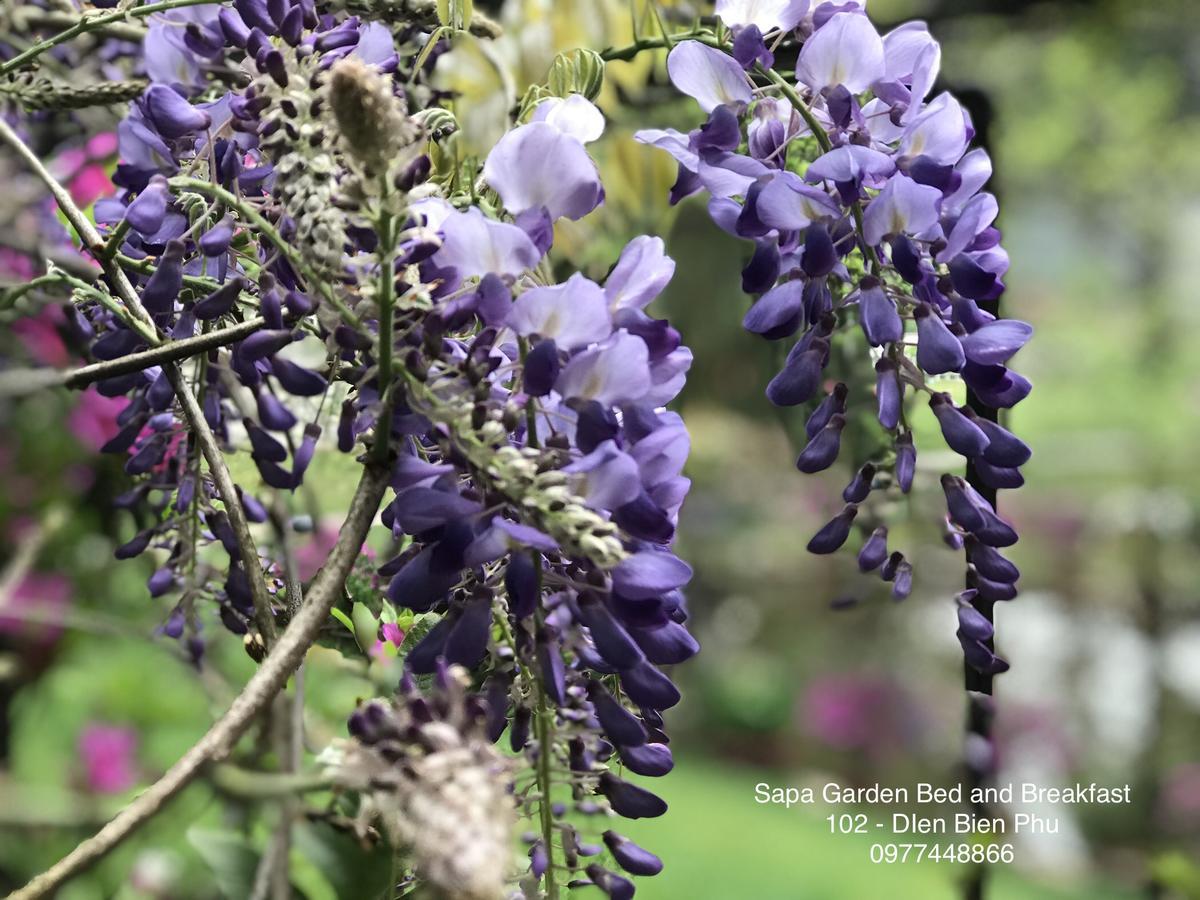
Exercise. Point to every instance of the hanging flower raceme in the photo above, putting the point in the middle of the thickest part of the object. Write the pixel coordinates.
(312, 217)
(871, 231)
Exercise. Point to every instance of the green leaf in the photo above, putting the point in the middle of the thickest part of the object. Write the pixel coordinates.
(231, 857)
(343, 618)
(351, 870)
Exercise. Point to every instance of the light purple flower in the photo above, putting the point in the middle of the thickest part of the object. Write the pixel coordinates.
(614, 372)
(767, 15)
(902, 207)
(787, 203)
(606, 478)
(475, 245)
(847, 51)
(707, 75)
(538, 166)
(574, 314)
(940, 132)
(640, 275)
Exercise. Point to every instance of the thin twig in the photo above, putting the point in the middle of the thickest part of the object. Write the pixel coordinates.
(27, 381)
(258, 692)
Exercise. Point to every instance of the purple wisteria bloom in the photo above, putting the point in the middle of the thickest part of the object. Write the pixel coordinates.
(874, 230)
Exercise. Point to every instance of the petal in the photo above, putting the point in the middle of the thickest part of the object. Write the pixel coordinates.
(902, 207)
(640, 275)
(765, 14)
(615, 372)
(573, 314)
(475, 246)
(650, 574)
(709, 76)
(536, 165)
(846, 51)
(575, 116)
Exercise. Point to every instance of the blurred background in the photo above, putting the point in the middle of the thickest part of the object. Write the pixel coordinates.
(1092, 113)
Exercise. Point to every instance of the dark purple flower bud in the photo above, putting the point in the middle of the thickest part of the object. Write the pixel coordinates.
(906, 461)
(994, 343)
(938, 350)
(996, 386)
(264, 446)
(630, 857)
(468, 639)
(997, 476)
(158, 296)
(629, 800)
(990, 563)
(801, 375)
(992, 591)
(272, 63)
(833, 404)
(647, 686)
(550, 664)
(649, 574)
(518, 737)
(925, 170)
(278, 10)
(173, 627)
(595, 423)
(493, 300)
(763, 269)
(973, 513)
(264, 343)
(823, 449)
(255, 14)
(539, 860)
(860, 486)
(273, 414)
(171, 115)
(345, 35)
(116, 343)
(623, 728)
(420, 509)
(521, 584)
(233, 27)
(613, 885)
(820, 257)
(722, 131)
(962, 435)
(652, 759)
(146, 213)
(291, 29)
(134, 546)
(666, 645)
(889, 393)
(612, 641)
(644, 519)
(542, 366)
(220, 301)
(297, 380)
(538, 225)
(216, 241)
(874, 551)
(880, 321)
(834, 533)
(779, 313)
(750, 48)
(418, 585)
(422, 659)
(971, 622)
(902, 580)
(906, 259)
(980, 658)
(972, 280)
(162, 581)
(305, 452)
(1004, 449)
(148, 456)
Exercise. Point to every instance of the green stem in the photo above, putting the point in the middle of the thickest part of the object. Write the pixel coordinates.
(88, 24)
(387, 326)
(629, 51)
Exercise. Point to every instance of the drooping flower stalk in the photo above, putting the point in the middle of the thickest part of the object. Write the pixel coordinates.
(536, 472)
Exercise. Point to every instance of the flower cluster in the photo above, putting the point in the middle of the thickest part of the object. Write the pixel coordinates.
(871, 233)
(283, 200)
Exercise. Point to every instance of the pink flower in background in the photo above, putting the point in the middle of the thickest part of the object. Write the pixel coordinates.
(389, 633)
(108, 752)
(859, 713)
(39, 334)
(311, 555)
(93, 421)
(40, 596)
